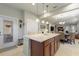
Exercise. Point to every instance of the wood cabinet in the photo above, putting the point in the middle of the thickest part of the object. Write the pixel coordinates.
(46, 48)
(55, 46)
(36, 48)
(52, 49)
(49, 50)
(49, 47)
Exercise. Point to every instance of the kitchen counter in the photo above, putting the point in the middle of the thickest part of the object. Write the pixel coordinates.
(42, 44)
(42, 37)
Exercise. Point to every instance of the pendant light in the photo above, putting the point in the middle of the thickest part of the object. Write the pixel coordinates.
(37, 20)
(47, 22)
(43, 14)
(43, 21)
(33, 3)
(47, 12)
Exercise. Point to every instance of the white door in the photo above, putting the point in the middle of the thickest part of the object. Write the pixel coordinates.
(8, 32)
(1, 33)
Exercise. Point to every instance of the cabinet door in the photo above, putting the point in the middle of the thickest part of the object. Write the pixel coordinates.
(1, 33)
(52, 49)
(36, 48)
(56, 45)
(47, 50)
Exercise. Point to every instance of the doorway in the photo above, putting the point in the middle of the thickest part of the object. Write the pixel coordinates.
(8, 31)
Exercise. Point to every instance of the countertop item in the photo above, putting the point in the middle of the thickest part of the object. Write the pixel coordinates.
(41, 37)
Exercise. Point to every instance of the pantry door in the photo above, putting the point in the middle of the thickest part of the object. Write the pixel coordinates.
(1, 33)
(8, 31)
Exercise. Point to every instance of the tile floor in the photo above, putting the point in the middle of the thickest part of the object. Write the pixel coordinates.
(68, 49)
(64, 50)
(18, 51)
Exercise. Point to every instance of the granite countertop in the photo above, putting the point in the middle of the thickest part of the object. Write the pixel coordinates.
(41, 37)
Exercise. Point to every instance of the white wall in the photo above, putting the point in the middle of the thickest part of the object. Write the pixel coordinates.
(15, 32)
(15, 16)
(15, 13)
(78, 27)
(20, 32)
(30, 26)
(67, 28)
(10, 11)
(30, 23)
(1, 33)
(71, 28)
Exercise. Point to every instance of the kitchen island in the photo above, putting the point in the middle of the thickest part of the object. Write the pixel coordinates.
(44, 44)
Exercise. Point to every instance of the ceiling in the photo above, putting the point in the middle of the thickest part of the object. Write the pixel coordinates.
(70, 15)
(38, 8)
(54, 9)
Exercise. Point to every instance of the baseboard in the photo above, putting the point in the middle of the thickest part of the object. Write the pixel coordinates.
(6, 49)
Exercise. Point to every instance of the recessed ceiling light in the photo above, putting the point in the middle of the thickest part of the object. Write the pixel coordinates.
(46, 14)
(37, 20)
(54, 6)
(33, 3)
(43, 21)
(47, 22)
(61, 22)
(45, 11)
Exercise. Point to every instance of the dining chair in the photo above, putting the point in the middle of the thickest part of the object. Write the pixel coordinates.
(73, 38)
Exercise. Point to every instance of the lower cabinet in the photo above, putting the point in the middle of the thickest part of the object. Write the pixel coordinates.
(46, 48)
(36, 48)
(52, 49)
(56, 46)
(57, 43)
(49, 50)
